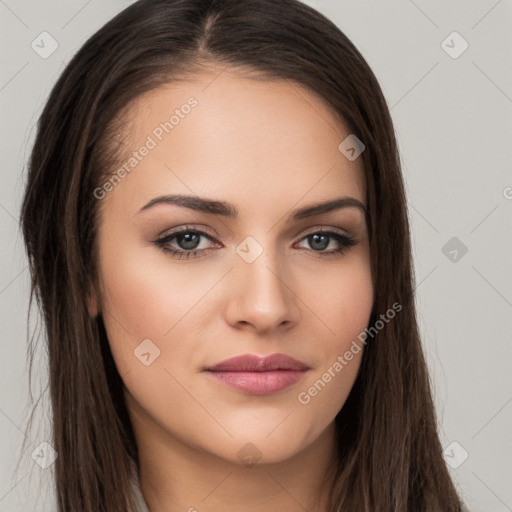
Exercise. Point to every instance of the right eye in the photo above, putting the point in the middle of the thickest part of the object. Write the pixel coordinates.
(184, 242)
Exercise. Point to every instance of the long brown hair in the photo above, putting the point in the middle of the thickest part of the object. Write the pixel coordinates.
(390, 457)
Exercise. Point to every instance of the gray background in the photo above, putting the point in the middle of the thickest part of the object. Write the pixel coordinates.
(453, 118)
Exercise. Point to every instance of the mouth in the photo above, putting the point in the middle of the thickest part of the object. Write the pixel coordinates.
(258, 375)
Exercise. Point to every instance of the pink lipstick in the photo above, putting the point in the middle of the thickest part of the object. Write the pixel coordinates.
(258, 375)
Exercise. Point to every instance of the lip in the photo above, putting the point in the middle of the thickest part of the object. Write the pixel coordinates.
(258, 375)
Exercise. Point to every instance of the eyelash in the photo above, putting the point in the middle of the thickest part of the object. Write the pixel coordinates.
(344, 240)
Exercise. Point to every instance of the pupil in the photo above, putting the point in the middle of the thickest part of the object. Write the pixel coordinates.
(317, 244)
(191, 240)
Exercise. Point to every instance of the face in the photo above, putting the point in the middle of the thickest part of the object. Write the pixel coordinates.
(244, 266)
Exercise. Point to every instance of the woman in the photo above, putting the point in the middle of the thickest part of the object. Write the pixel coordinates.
(218, 238)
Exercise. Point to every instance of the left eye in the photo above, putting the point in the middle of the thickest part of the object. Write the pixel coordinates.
(319, 241)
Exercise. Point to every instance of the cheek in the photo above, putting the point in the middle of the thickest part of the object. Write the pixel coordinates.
(340, 298)
(139, 299)
(341, 302)
(146, 296)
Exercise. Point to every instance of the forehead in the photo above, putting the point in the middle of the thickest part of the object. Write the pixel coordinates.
(222, 132)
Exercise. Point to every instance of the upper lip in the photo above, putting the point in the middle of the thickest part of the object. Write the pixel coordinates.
(254, 363)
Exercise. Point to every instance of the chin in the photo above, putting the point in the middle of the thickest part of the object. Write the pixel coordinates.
(257, 449)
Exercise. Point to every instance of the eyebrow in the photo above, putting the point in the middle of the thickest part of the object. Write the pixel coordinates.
(228, 210)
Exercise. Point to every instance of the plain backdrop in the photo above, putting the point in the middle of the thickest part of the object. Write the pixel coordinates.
(446, 71)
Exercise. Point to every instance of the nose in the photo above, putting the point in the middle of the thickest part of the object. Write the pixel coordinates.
(261, 297)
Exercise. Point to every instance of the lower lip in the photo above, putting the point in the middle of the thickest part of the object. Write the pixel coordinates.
(258, 383)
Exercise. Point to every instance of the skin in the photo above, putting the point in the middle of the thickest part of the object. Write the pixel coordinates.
(268, 148)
